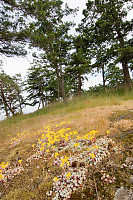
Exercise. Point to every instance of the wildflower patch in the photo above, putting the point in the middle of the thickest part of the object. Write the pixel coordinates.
(65, 149)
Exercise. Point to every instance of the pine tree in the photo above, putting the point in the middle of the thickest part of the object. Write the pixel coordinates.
(105, 23)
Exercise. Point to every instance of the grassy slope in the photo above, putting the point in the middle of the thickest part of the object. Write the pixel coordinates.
(85, 114)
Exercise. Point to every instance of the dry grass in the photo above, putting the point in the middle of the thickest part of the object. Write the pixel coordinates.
(83, 119)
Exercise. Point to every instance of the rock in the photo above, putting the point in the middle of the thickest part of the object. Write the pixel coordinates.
(123, 194)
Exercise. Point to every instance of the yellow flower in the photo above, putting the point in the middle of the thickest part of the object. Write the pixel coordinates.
(41, 148)
(56, 154)
(90, 138)
(92, 155)
(47, 150)
(76, 144)
(33, 145)
(93, 132)
(56, 179)
(4, 165)
(78, 137)
(94, 147)
(49, 143)
(68, 175)
(66, 138)
(53, 147)
(1, 176)
(107, 132)
(20, 161)
(43, 144)
(86, 137)
(64, 160)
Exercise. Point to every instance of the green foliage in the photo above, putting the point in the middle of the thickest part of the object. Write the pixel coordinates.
(41, 85)
(11, 35)
(11, 99)
(106, 30)
(114, 76)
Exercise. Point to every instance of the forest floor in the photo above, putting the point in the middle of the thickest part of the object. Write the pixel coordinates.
(84, 153)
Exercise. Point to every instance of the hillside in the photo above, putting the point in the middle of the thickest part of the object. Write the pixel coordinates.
(81, 150)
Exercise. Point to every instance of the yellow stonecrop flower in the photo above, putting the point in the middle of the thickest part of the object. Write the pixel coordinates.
(64, 160)
(75, 132)
(1, 176)
(95, 147)
(88, 149)
(56, 179)
(3, 165)
(93, 132)
(68, 175)
(47, 150)
(78, 137)
(43, 144)
(66, 138)
(85, 136)
(91, 137)
(19, 161)
(92, 155)
(76, 145)
(56, 154)
(41, 148)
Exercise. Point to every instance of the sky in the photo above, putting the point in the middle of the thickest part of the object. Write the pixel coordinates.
(14, 65)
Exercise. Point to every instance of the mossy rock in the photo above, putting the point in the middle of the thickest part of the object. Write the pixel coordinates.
(126, 114)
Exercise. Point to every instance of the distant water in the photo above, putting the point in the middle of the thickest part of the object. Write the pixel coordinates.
(26, 110)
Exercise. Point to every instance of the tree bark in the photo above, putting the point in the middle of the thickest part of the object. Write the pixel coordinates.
(127, 79)
(5, 102)
(79, 85)
(61, 85)
(103, 75)
(42, 100)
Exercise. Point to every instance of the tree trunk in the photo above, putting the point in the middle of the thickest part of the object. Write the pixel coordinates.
(5, 102)
(61, 85)
(6, 110)
(20, 105)
(127, 79)
(42, 100)
(79, 85)
(103, 75)
(58, 90)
